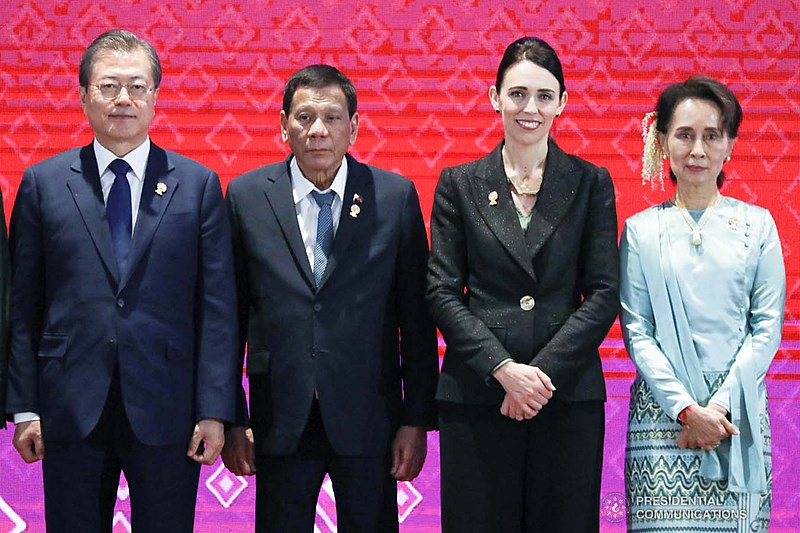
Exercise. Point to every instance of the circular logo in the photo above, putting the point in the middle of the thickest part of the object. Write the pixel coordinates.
(612, 507)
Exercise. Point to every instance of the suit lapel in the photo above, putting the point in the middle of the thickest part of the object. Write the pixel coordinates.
(278, 190)
(151, 205)
(358, 182)
(88, 196)
(492, 197)
(559, 186)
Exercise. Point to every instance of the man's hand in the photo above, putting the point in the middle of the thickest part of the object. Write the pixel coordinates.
(238, 454)
(206, 441)
(28, 441)
(408, 452)
(527, 387)
(705, 427)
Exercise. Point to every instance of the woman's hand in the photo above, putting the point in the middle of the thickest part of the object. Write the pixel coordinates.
(705, 427)
(527, 387)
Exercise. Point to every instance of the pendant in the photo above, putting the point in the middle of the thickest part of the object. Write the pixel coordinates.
(697, 240)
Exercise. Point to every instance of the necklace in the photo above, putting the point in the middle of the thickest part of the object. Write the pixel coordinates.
(524, 189)
(517, 182)
(697, 229)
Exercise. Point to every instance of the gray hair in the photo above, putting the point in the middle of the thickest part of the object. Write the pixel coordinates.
(119, 41)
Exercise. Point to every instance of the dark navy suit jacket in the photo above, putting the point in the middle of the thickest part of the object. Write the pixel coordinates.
(168, 324)
(364, 339)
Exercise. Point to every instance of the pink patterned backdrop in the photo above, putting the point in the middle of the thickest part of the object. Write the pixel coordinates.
(422, 69)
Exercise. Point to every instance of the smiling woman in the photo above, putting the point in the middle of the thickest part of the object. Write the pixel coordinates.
(522, 282)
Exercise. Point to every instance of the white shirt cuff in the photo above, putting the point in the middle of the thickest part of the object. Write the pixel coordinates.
(27, 416)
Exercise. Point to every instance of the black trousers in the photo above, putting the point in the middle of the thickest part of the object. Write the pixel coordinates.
(287, 487)
(81, 479)
(504, 476)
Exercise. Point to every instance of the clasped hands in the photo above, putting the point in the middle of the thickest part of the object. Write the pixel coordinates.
(527, 387)
(705, 427)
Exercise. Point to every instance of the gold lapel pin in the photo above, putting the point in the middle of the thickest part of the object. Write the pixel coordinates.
(354, 210)
(493, 198)
(161, 188)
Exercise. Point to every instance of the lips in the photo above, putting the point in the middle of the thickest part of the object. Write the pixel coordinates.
(529, 124)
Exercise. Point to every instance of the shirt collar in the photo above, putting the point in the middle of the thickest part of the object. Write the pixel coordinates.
(136, 158)
(302, 187)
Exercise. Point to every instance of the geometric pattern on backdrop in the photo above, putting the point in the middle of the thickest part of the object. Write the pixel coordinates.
(422, 69)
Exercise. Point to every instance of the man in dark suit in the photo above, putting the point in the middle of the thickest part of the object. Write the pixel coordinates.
(330, 259)
(5, 278)
(123, 310)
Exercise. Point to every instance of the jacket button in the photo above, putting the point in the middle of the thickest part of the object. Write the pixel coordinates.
(526, 303)
(120, 303)
(317, 307)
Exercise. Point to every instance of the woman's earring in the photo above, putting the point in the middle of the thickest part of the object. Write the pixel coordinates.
(727, 159)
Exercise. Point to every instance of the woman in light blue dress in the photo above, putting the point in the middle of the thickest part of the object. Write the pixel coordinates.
(703, 290)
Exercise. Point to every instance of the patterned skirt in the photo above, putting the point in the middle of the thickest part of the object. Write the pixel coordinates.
(664, 490)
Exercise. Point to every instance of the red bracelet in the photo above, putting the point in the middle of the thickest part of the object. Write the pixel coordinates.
(682, 414)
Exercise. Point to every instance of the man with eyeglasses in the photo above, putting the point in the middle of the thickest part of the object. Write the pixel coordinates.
(123, 334)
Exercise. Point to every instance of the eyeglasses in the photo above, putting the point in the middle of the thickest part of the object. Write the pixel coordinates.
(111, 90)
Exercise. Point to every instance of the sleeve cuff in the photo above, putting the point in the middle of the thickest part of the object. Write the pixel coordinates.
(27, 416)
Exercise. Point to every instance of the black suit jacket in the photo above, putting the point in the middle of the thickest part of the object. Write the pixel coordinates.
(364, 339)
(5, 283)
(484, 269)
(167, 326)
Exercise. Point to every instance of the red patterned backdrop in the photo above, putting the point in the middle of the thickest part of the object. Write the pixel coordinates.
(422, 69)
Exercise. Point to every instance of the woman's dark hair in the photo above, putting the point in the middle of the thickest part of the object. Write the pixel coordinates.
(536, 51)
(700, 88)
(319, 77)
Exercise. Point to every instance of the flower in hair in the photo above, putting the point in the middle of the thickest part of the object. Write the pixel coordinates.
(652, 154)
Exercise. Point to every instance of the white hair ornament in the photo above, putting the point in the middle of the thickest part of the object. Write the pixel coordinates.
(652, 154)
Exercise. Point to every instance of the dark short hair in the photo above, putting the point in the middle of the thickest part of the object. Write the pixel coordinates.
(119, 41)
(700, 88)
(535, 50)
(317, 77)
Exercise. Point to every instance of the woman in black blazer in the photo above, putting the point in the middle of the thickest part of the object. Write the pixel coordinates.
(523, 284)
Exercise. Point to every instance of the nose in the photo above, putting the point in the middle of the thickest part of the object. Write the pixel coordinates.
(698, 151)
(123, 98)
(317, 128)
(530, 106)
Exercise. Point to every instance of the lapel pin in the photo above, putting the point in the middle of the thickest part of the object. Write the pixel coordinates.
(354, 210)
(161, 188)
(357, 198)
(732, 223)
(493, 198)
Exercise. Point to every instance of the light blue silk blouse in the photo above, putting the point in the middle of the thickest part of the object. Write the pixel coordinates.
(691, 310)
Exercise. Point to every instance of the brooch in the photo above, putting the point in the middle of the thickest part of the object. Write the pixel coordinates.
(493, 198)
(161, 188)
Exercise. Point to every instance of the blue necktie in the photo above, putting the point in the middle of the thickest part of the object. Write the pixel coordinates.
(118, 212)
(324, 247)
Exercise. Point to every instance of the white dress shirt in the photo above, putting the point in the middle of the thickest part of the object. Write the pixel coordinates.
(137, 159)
(307, 208)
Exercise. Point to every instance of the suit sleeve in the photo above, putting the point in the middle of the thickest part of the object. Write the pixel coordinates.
(5, 273)
(574, 345)
(216, 310)
(27, 297)
(418, 343)
(243, 304)
(465, 333)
